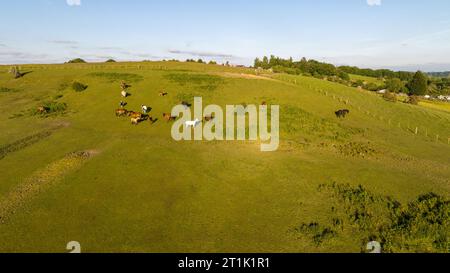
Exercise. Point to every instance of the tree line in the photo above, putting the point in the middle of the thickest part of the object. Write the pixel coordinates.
(411, 83)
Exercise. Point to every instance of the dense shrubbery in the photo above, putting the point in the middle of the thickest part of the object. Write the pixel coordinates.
(55, 107)
(311, 67)
(414, 100)
(406, 82)
(420, 226)
(388, 96)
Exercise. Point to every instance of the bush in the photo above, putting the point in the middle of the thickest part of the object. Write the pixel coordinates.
(50, 108)
(388, 96)
(371, 86)
(77, 61)
(418, 226)
(110, 61)
(414, 100)
(79, 87)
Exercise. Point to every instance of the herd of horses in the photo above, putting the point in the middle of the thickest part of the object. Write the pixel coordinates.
(137, 117)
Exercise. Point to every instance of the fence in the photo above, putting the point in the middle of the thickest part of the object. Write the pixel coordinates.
(414, 130)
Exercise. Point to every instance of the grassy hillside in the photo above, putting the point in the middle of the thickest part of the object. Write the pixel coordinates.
(366, 79)
(82, 174)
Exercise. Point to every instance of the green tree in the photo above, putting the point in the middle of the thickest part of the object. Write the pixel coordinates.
(418, 85)
(395, 85)
(77, 61)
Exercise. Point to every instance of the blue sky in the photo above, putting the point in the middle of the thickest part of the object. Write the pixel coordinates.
(398, 34)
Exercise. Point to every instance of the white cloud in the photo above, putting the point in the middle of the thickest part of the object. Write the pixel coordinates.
(374, 2)
(73, 2)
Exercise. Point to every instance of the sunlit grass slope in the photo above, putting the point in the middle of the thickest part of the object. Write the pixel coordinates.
(139, 190)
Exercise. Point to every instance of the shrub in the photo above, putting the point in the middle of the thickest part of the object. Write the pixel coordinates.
(414, 100)
(79, 87)
(371, 86)
(388, 96)
(110, 61)
(50, 108)
(418, 226)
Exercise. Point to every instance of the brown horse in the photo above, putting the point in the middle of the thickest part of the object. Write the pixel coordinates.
(121, 112)
(209, 118)
(135, 114)
(168, 117)
(342, 113)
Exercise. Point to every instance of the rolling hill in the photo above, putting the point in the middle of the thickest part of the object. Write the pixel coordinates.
(82, 174)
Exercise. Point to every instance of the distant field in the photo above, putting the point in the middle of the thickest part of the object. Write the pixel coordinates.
(444, 106)
(366, 79)
(83, 174)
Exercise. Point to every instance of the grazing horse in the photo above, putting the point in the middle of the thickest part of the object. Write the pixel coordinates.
(163, 94)
(169, 117)
(135, 115)
(42, 109)
(135, 121)
(124, 85)
(145, 109)
(121, 112)
(186, 104)
(209, 118)
(342, 113)
(124, 93)
(122, 104)
(192, 123)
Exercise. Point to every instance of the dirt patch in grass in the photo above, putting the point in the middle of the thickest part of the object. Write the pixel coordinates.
(41, 180)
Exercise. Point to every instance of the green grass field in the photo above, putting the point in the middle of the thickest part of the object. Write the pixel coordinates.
(366, 79)
(137, 190)
(444, 106)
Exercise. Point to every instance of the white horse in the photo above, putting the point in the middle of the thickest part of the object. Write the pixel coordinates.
(192, 123)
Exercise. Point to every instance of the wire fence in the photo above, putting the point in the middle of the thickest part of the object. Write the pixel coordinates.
(403, 125)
